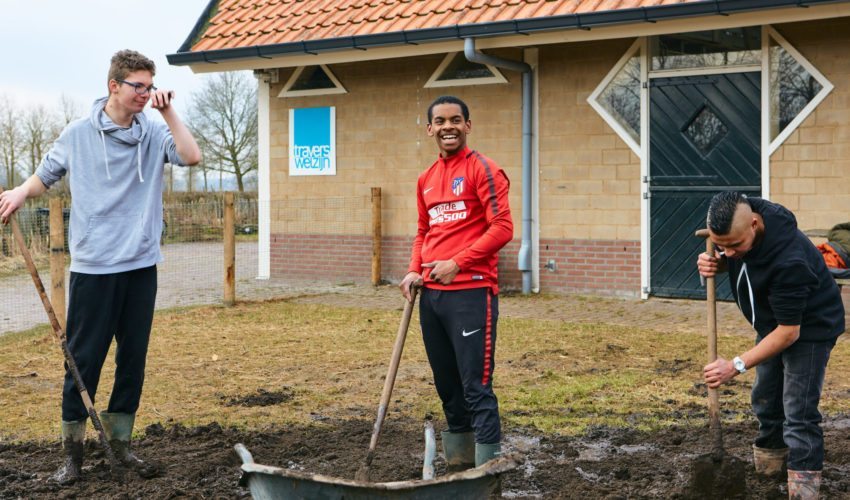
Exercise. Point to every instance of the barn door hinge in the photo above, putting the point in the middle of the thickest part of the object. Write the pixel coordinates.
(647, 195)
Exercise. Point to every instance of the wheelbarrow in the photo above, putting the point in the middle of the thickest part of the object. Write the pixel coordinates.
(268, 483)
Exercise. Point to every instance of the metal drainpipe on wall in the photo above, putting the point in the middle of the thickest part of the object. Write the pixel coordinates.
(524, 257)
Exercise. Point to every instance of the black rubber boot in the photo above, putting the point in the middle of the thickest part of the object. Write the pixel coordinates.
(73, 437)
(119, 429)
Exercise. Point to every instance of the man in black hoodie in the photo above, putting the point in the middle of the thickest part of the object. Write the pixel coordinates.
(784, 290)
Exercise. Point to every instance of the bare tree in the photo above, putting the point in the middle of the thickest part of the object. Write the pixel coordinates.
(223, 118)
(39, 132)
(11, 141)
(71, 110)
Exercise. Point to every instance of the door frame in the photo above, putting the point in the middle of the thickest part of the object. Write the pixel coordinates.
(681, 184)
(768, 146)
(645, 178)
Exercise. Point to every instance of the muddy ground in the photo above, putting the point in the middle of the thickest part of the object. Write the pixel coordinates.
(603, 464)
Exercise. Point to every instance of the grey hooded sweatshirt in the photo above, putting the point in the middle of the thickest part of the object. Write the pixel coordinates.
(116, 189)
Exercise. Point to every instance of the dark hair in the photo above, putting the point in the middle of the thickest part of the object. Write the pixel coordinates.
(448, 99)
(722, 209)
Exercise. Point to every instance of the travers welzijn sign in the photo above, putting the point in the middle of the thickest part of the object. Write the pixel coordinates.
(312, 141)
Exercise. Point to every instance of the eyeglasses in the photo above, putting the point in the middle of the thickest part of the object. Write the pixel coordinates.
(139, 87)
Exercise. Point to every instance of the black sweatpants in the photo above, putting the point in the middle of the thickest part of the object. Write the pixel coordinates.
(459, 331)
(100, 307)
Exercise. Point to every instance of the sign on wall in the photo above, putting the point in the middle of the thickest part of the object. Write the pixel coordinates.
(312, 141)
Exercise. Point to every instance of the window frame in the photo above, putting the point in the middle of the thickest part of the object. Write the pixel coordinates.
(808, 109)
(338, 89)
(433, 81)
(636, 49)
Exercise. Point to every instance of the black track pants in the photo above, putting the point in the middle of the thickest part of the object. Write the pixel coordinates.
(100, 307)
(459, 331)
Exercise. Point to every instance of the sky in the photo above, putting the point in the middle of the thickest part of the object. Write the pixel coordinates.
(51, 47)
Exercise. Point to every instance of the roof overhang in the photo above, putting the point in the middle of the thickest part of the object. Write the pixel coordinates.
(625, 23)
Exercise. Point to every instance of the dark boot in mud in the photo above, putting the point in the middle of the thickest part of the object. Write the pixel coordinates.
(769, 462)
(803, 484)
(73, 437)
(119, 430)
(459, 449)
(486, 452)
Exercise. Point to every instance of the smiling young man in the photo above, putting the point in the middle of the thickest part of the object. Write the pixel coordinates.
(114, 160)
(464, 220)
(785, 291)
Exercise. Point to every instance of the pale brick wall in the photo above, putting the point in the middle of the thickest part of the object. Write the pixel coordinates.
(810, 173)
(589, 178)
(381, 137)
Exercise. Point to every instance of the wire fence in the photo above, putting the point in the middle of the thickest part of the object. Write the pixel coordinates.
(192, 246)
(311, 239)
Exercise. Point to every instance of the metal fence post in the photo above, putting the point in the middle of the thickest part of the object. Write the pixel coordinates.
(376, 236)
(229, 251)
(57, 260)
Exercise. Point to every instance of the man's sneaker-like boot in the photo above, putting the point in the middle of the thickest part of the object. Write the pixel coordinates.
(459, 449)
(73, 437)
(769, 462)
(119, 430)
(803, 484)
(486, 452)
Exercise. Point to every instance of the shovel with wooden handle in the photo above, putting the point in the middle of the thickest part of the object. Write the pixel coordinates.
(363, 472)
(60, 335)
(713, 395)
(715, 474)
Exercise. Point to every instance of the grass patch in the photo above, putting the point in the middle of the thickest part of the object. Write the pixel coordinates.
(330, 362)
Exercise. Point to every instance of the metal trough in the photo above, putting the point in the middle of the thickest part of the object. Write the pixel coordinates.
(266, 483)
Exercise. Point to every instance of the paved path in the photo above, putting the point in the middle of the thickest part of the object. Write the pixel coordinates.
(191, 274)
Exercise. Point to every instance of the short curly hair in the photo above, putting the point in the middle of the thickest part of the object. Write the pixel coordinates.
(125, 62)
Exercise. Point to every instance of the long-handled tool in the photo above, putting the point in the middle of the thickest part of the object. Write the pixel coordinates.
(60, 334)
(713, 395)
(363, 472)
(716, 475)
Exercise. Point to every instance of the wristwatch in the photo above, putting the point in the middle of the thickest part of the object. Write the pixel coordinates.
(739, 364)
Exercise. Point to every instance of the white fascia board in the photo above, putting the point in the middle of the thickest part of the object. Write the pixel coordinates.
(702, 23)
(263, 180)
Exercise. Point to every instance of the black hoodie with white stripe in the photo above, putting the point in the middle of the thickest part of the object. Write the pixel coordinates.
(786, 278)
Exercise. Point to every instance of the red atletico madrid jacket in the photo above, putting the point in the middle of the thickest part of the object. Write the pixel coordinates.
(464, 215)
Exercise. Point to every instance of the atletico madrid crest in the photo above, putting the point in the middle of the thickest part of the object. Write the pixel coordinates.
(457, 185)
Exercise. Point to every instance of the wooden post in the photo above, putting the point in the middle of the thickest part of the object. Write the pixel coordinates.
(376, 236)
(57, 260)
(229, 251)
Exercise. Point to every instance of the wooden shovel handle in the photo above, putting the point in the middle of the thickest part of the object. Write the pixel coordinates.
(63, 341)
(711, 306)
(393, 369)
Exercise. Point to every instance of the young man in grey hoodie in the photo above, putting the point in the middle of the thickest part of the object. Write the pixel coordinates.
(114, 160)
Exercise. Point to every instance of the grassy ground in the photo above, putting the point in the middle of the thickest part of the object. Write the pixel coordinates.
(330, 361)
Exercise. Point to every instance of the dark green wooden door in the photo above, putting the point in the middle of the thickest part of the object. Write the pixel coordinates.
(704, 138)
